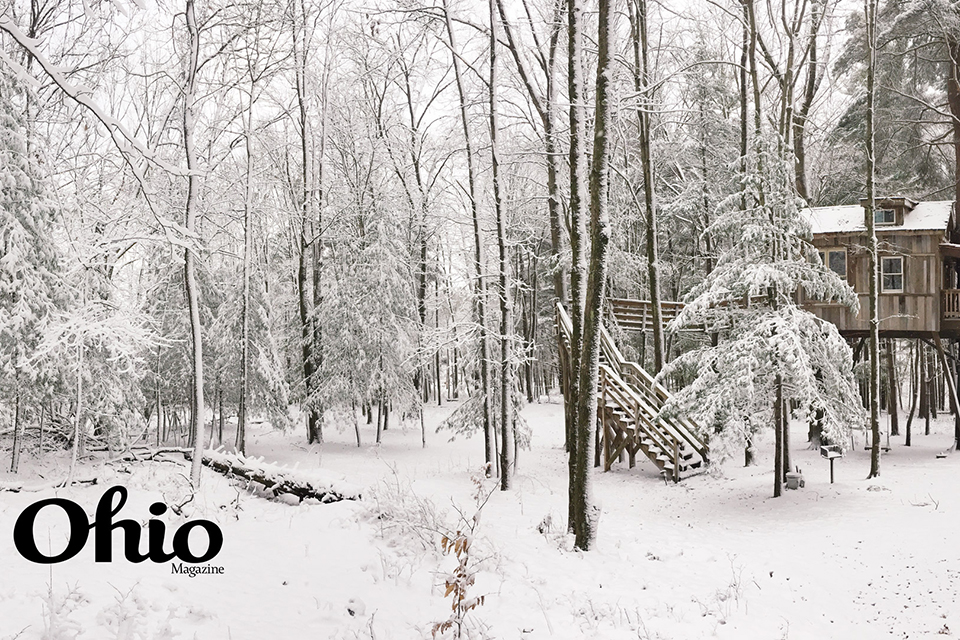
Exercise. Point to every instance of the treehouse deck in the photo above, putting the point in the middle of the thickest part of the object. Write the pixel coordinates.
(628, 422)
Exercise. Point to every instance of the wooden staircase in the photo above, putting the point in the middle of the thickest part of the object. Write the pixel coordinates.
(628, 406)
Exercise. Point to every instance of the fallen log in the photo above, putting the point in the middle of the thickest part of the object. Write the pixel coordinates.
(17, 487)
(277, 479)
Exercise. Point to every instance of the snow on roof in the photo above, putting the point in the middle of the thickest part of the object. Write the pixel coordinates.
(849, 218)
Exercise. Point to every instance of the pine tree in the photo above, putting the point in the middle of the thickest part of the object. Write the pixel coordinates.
(29, 262)
(770, 348)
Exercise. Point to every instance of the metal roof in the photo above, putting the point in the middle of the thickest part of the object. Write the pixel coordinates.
(926, 216)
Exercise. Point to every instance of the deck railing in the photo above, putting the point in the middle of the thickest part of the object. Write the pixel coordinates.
(950, 308)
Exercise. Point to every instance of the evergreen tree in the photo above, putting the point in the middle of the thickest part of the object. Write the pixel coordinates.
(29, 261)
(769, 342)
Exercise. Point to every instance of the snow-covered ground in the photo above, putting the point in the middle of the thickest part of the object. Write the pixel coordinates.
(714, 556)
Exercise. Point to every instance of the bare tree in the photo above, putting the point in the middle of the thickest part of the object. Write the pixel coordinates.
(870, 14)
(506, 366)
(577, 156)
(639, 12)
(189, 265)
(480, 287)
(587, 514)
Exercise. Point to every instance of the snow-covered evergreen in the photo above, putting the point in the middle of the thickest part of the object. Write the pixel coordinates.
(750, 300)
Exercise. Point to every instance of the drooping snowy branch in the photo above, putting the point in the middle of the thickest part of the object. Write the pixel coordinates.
(129, 146)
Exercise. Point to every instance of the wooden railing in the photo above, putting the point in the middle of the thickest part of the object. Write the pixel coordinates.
(637, 315)
(950, 305)
(637, 393)
(614, 391)
(654, 393)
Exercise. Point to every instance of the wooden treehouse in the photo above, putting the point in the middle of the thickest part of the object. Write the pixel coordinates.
(919, 264)
(919, 295)
(629, 401)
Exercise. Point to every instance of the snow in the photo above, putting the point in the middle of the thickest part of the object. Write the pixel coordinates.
(712, 557)
(319, 481)
(926, 216)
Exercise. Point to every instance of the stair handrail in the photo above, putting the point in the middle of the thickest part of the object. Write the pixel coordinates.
(666, 441)
(681, 429)
(685, 428)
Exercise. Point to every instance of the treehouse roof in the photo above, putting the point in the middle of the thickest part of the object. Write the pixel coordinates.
(925, 216)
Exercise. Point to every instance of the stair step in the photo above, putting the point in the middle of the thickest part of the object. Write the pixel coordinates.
(633, 400)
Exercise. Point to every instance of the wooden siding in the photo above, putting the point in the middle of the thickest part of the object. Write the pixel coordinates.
(916, 309)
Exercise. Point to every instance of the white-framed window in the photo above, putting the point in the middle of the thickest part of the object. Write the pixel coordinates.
(884, 216)
(835, 260)
(891, 274)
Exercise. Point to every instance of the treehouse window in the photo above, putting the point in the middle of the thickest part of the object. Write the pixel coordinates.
(891, 272)
(835, 260)
(884, 216)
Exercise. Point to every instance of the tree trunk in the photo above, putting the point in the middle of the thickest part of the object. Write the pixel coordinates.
(785, 426)
(220, 414)
(190, 254)
(379, 417)
(241, 441)
(926, 399)
(77, 416)
(17, 430)
(42, 416)
(748, 49)
(577, 155)
(915, 378)
(809, 91)
(934, 401)
(305, 295)
(644, 112)
(545, 107)
(356, 422)
(551, 151)
(313, 199)
(587, 513)
(506, 368)
(159, 401)
(778, 468)
(953, 100)
(436, 355)
(480, 304)
(525, 331)
(456, 366)
(870, 9)
(956, 420)
(892, 397)
(705, 199)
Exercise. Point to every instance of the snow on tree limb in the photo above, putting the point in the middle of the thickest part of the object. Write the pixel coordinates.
(126, 143)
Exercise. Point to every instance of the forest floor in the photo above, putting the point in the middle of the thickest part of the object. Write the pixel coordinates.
(712, 557)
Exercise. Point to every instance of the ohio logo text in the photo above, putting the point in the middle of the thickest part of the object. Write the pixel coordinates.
(103, 526)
